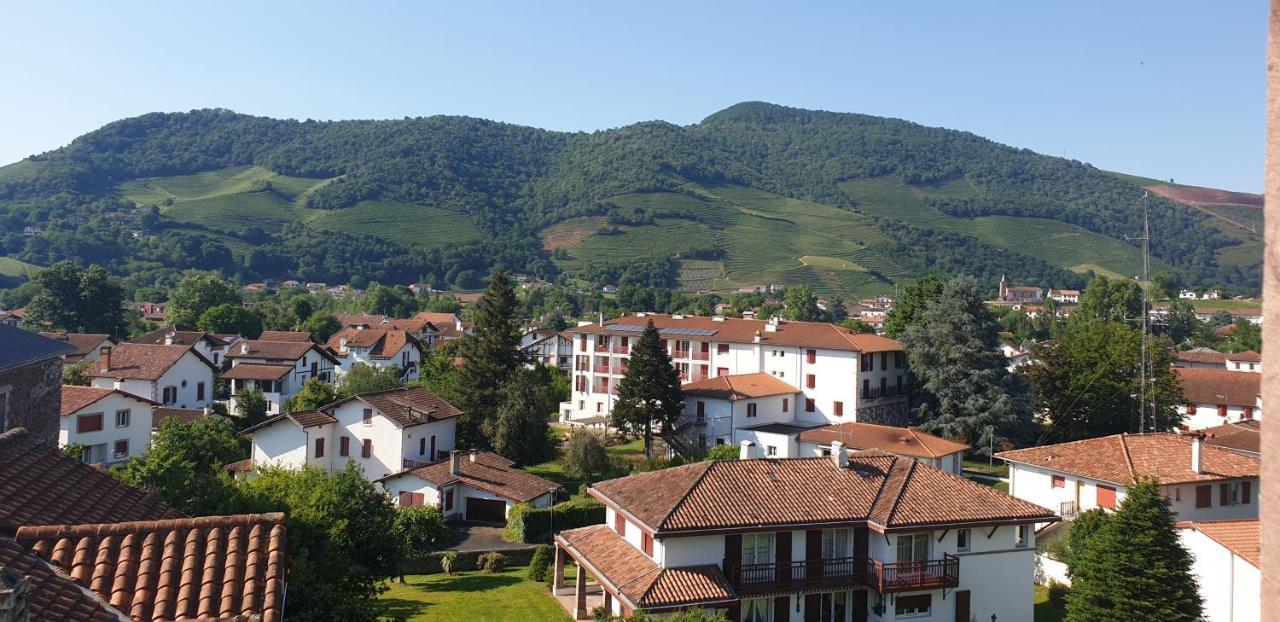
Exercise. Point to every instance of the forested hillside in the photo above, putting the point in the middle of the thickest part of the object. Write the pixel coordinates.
(755, 193)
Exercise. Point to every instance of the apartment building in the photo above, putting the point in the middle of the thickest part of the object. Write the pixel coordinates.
(869, 537)
(841, 375)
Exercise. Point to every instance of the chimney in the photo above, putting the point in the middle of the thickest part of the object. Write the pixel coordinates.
(104, 353)
(744, 453)
(168, 338)
(838, 456)
(473, 456)
(1196, 454)
(455, 462)
(244, 347)
(756, 339)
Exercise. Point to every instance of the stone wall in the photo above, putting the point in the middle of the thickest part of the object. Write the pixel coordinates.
(33, 400)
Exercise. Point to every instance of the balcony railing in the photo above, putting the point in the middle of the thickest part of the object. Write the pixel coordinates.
(697, 377)
(902, 576)
(1068, 509)
(679, 354)
(838, 572)
(620, 349)
(602, 348)
(701, 356)
(600, 369)
(875, 393)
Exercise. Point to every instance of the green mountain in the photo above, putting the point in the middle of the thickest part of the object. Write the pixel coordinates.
(754, 194)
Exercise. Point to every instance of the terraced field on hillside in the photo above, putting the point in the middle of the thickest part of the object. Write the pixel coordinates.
(241, 197)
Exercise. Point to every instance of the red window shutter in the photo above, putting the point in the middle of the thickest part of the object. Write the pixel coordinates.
(839, 409)
(808, 404)
(89, 423)
(122, 448)
(1222, 410)
(319, 447)
(1106, 497)
(406, 499)
(1191, 409)
(1224, 494)
(810, 381)
(366, 451)
(367, 417)
(646, 543)
(344, 446)
(448, 499)
(811, 356)
(722, 371)
(1246, 490)
(582, 343)
(1248, 412)
(1204, 496)
(1059, 481)
(722, 348)
(418, 499)
(620, 524)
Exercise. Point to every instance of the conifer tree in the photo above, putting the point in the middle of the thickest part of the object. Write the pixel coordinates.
(489, 357)
(1134, 569)
(649, 394)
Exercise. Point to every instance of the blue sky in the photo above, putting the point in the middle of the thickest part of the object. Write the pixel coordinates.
(1163, 89)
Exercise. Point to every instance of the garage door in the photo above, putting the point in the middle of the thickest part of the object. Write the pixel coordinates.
(486, 510)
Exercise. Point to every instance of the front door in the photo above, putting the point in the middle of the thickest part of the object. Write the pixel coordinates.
(962, 606)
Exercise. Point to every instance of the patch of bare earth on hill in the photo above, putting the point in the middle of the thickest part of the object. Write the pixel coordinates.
(571, 233)
(1196, 196)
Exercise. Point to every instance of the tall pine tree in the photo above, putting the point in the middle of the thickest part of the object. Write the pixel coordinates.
(1134, 569)
(649, 394)
(965, 390)
(489, 358)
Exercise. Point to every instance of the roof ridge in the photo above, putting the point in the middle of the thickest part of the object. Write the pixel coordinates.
(897, 498)
(1128, 460)
(923, 444)
(40, 532)
(711, 464)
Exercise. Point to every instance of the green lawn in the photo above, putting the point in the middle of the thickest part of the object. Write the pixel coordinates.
(1001, 486)
(506, 595)
(998, 469)
(1044, 611)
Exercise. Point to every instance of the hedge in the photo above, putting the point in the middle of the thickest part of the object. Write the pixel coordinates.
(527, 524)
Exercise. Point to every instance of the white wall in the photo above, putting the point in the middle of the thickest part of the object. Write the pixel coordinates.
(185, 375)
(138, 432)
(282, 443)
(1230, 586)
(388, 442)
(1206, 416)
(1034, 484)
(444, 431)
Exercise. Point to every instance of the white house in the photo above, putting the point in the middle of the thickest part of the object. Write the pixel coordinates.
(171, 375)
(278, 368)
(208, 345)
(847, 538)
(1208, 358)
(1217, 396)
(112, 425)
(842, 375)
(87, 345)
(1202, 481)
(548, 347)
(1243, 437)
(443, 327)
(1227, 557)
(384, 432)
(758, 407)
(376, 347)
(477, 486)
(935, 451)
(1065, 296)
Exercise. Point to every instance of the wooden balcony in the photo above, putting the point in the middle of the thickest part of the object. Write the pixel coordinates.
(903, 576)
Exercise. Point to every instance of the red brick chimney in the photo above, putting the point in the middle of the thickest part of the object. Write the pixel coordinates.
(104, 353)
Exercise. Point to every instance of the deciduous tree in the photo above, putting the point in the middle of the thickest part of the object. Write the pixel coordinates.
(196, 293)
(76, 300)
(184, 465)
(230, 318)
(908, 309)
(362, 378)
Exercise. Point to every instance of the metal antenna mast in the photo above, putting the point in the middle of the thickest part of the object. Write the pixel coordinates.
(1145, 284)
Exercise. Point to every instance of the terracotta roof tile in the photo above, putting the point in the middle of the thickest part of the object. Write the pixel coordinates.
(739, 387)
(180, 337)
(1219, 386)
(1120, 458)
(141, 361)
(887, 438)
(1241, 435)
(38, 482)
(490, 472)
(53, 595)
(306, 419)
(275, 350)
(294, 336)
(84, 343)
(406, 406)
(638, 578)
(436, 317)
(160, 414)
(1248, 356)
(1241, 537)
(884, 490)
(75, 398)
(211, 567)
(382, 343)
(734, 330)
(1203, 355)
(256, 371)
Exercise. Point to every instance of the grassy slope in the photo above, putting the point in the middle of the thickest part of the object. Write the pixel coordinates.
(506, 595)
(235, 198)
(13, 267)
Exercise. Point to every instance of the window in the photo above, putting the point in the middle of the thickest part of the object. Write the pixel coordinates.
(835, 543)
(1248, 413)
(1105, 497)
(646, 544)
(1191, 409)
(1059, 481)
(122, 418)
(422, 446)
(832, 606)
(170, 395)
(367, 417)
(884, 386)
(432, 455)
(786, 404)
(751, 410)
(771, 450)
(757, 548)
(808, 405)
(412, 499)
(366, 448)
(866, 388)
(757, 610)
(1222, 410)
(722, 348)
(811, 356)
(89, 423)
(319, 447)
(344, 446)
(810, 381)
(1022, 536)
(702, 409)
(962, 539)
(1234, 493)
(867, 362)
(582, 343)
(1204, 496)
(1177, 494)
(722, 371)
(448, 499)
(899, 360)
(121, 449)
(620, 524)
(899, 391)
(915, 606)
(913, 547)
(200, 391)
(839, 407)
(884, 360)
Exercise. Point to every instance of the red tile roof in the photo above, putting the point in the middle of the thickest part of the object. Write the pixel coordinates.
(53, 595)
(1203, 355)
(38, 482)
(1243, 435)
(739, 387)
(490, 472)
(76, 398)
(1219, 386)
(179, 338)
(637, 578)
(1248, 356)
(305, 419)
(293, 336)
(136, 361)
(1241, 537)
(733, 330)
(256, 371)
(898, 441)
(1121, 458)
(886, 492)
(406, 406)
(160, 414)
(382, 343)
(275, 350)
(211, 567)
(84, 343)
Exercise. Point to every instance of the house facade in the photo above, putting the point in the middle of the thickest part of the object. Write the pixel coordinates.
(113, 426)
(170, 375)
(376, 347)
(1207, 358)
(850, 539)
(841, 375)
(1201, 481)
(1217, 396)
(278, 368)
(1226, 559)
(548, 347)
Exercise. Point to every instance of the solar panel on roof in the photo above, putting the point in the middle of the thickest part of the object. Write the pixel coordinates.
(688, 331)
(630, 327)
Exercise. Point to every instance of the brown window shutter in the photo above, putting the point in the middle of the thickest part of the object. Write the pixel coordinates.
(733, 555)
(1204, 496)
(813, 607)
(406, 499)
(418, 499)
(1224, 494)
(344, 446)
(1245, 491)
(782, 541)
(781, 607)
(861, 541)
(366, 450)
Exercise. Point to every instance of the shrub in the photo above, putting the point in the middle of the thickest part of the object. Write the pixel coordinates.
(585, 456)
(447, 561)
(1058, 594)
(723, 452)
(540, 565)
(527, 524)
(492, 561)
